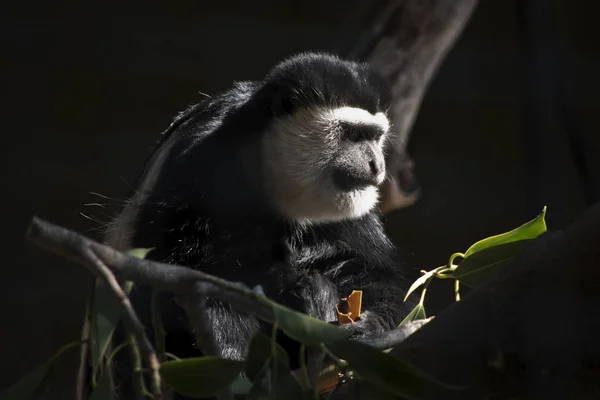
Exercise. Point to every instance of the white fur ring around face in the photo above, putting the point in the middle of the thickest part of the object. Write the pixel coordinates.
(299, 151)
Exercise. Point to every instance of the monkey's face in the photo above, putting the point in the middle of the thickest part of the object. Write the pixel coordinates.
(325, 163)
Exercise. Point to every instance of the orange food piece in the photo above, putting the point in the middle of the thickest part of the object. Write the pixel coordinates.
(348, 309)
(328, 379)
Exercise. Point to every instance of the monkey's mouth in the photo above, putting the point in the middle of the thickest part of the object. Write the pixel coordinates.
(347, 181)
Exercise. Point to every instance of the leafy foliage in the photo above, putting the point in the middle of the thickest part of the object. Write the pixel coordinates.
(275, 381)
(305, 329)
(417, 313)
(103, 391)
(33, 384)
(105, 314)
(265, 373)
(480, 262)
(425, 278)
(485, 264)
(387, 372)
(262, 349)
(201, 376)
(530, 230)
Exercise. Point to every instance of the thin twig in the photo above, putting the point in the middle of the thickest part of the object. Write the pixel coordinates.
(80, 385)
(139, 383)
(159, 338)
(159, 330)
(100, 269)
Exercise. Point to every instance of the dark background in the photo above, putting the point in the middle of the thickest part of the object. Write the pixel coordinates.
(87, 88)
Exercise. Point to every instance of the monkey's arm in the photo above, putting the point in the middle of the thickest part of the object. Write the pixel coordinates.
(383, 290)
(233, 331)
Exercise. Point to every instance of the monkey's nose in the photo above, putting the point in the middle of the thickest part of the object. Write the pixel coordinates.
(377, 168)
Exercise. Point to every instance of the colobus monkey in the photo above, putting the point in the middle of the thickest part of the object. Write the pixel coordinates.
(275, 183)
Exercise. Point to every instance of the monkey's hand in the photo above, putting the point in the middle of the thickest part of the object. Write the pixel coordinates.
(368, 324)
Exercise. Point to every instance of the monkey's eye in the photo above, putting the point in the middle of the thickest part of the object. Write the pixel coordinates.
(287, 105)
(360, 132)
(284, 104)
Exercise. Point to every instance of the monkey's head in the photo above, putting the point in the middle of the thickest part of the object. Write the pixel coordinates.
(324, 145)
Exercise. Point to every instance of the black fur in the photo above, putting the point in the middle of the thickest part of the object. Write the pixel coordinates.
(208, 210)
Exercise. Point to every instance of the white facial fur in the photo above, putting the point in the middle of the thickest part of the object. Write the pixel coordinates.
(299, 151)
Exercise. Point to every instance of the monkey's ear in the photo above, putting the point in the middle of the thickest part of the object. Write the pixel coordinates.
(284, 103)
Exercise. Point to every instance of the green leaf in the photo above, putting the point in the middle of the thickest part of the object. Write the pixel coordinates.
(260, 351)
(105, 316)
(201, 376)
(389, 373)
(267, 365)
(33, 383)
(530, 230)
(485, 264)
(106, 312)
(422, 280)
(241, 386)
(306, 329)
(103, 390)
(275, 381)
(369, 391)
(417, 313)
(139, 252)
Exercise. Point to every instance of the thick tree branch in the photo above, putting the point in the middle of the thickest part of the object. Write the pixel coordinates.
(167, 277)
(407, 41)
(160, 276)
(190, 286)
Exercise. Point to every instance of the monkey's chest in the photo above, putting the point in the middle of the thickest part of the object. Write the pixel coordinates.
(246, 251)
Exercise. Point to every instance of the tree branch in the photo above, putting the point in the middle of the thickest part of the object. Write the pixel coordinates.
(159, 330)
(185, 282)
(160, 276)
(407, 41)
(80, 387)
(99, 268)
